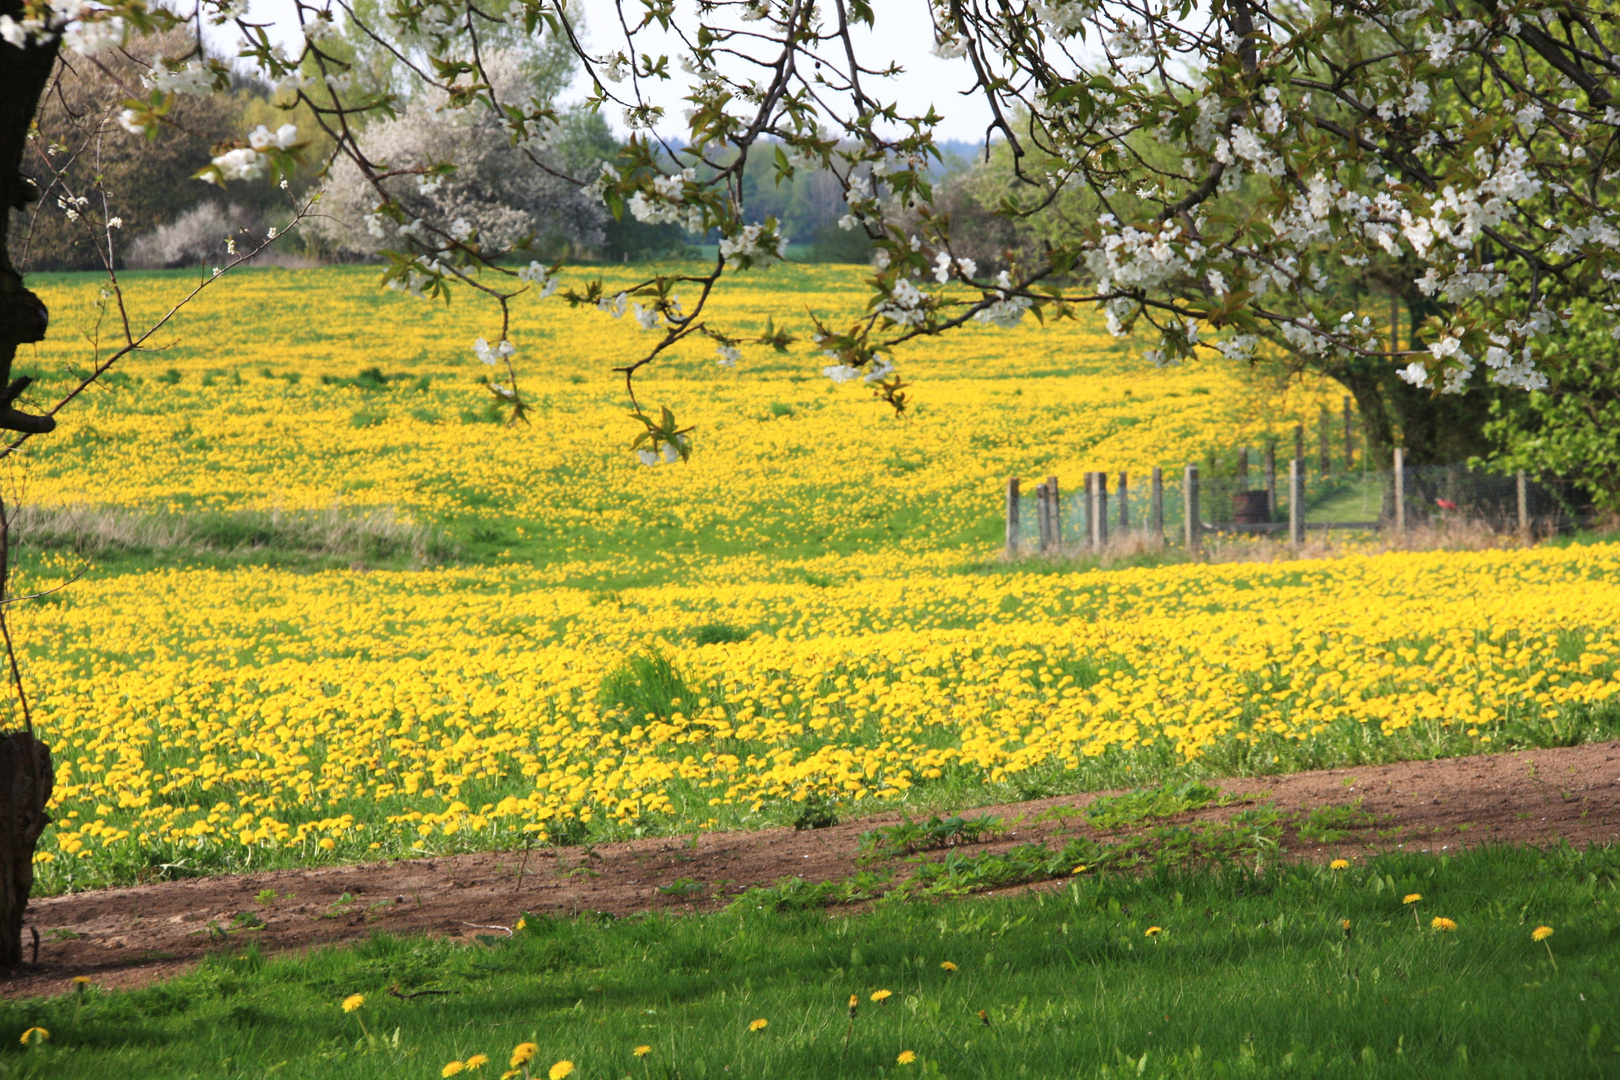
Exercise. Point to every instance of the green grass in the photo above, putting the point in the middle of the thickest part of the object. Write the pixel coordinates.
(1252, 976)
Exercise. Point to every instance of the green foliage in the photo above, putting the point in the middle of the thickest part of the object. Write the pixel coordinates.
(1333, 824)
(646, 687)
(1571, 429)
(1250, 975)
(909, 837)
(816, 812)
(716, 633)
(1113, 812)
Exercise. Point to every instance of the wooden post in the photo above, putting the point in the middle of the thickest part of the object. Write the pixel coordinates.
(1012, 518)
(1524, 506)
(1099, 510)
(1400, 491)
(1055, 509)
(1156, 505)
(1191, 527)
(1043, 524)
(1243, 468)
(1124, 504)
(1349, 435)
(1271, 481)
(1296, 501)
(1299, 441)
(1322, 430)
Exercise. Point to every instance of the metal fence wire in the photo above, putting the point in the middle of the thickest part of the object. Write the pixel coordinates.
(1255, 500)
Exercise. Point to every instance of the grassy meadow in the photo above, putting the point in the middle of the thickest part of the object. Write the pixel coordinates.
(1300, 971)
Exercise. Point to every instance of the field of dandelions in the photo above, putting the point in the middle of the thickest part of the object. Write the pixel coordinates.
(543, 639)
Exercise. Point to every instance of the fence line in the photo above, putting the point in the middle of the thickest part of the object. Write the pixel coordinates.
(1199, 504)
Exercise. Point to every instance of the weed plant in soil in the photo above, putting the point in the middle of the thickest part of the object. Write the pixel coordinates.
(1188, 973)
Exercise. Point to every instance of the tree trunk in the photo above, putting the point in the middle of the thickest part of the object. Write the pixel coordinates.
(24, 73)
(25, 762)
(26, 778)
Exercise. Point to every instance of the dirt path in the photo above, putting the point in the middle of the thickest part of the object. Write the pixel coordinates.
(131, 936)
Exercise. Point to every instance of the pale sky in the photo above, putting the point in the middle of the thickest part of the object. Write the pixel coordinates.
(904, 36)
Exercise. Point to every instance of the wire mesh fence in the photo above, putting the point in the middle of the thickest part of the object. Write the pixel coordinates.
(1257, 500)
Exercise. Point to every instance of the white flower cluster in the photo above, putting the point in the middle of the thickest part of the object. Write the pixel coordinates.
(494, 354)
(240, 164)
(756, 242)
(881, 368)
(194, 78)
(1008, 311)
(540, 277)
(1066, 17)
(729, 355)
(670, 454)
(907, 305)
(1137, 259)
(666, 205)
(249, 162)
(943, 265)
(89, 29)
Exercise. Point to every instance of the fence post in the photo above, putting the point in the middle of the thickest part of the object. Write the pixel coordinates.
(1299, 441)
(1043, 499)
(1349, 436)
(1296, 501)
(1055, 508)
(1271, 481)
(1085, 510)
(1524, 506)
(1400, 491)
(1323, 429)
(1192, 527)
(1099, 510)
(1124, 503)
(1243, 468)
(1156, 505)
(1012, 518)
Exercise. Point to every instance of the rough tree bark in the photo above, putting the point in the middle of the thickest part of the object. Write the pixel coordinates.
(25, 762)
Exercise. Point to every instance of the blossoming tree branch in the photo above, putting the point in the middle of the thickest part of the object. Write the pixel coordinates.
(1234, 173)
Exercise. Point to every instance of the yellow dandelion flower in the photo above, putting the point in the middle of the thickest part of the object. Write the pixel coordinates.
(353, 1002)
(477, 1061)
(1541, 933)
(1412, 898)
(882, 995)
(81, 980)
(1082, 868)
(642, 1051)
(523, 1053)
(560, 1070)
(451, 1068)
(854, 1003)
(510, 1073)
(521, 923)
(947, 966)
(906, 1057)
(34, 1036)
(1344, 924)
(1339, 864)
(1441, 923)
(327, 843)
(758, 1025)
(1154, 931)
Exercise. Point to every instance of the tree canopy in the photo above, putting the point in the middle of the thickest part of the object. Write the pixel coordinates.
(1237, 173)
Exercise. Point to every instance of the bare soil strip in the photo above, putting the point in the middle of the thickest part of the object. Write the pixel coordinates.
(132, 936)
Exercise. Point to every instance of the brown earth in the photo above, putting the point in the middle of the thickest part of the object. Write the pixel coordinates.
(131, 936)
